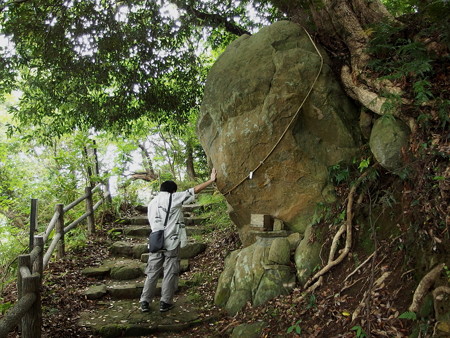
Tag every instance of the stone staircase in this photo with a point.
(117, 283)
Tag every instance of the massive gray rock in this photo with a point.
(252, 93)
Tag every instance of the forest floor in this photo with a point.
(325, 313)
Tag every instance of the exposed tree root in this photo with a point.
(424, 286)
(378, 284)
(345, 228)
(359, 266)
(437, 296)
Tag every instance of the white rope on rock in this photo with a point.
(250, 176)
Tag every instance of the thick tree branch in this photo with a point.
(212, 20)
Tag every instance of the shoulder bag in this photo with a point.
(156, 238)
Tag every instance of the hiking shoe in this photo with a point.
(145, 307)
(163, 307)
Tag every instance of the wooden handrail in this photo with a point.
(28, 308)
(50, 226)
(15, 313)
(97, 187)
(76, 222)
(74, 203)
(96, 205)
(50, 249)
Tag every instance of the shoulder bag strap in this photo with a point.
(168, 211)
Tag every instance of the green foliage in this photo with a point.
(359, 331)
(364, 164)
(338, 173)
(447, 272)
(4, 306)
(295, 328)
(106, 64)
(398, 58)
(76, 238)
(215, 207)
(443, 107)
(408, 315)
(311, 301)
(399, 7)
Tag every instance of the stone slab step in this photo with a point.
(136, 220)
(137, 231)
(186, 207)
(196, 230)
(124, 268)
(195, 220)
(189, 251)
(123, 318)
(128, 249)
(126, 290)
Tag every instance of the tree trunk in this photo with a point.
(341, 26)
(149, 173)
(190, 161)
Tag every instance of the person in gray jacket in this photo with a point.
(174, 232)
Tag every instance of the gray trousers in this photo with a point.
(155, 264)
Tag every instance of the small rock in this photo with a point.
(96, 291)
(121, 249)
(294, 240)
(248, 330)
(191, 250)
(280, 251)
(126, 272)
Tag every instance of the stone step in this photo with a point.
(196, 230)
(195, 220)
(125, 289)
(189, 251)
(123, 318)
(135, 220)
(144, 230)
(124, 269)
(139, 250)
(186, 208)
(128, 249)
(137, 231)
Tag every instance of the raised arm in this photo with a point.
(203, 185)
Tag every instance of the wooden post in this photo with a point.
(90, 210)
(59, 227)
(32, 320)
(23, 260)
(33, 222)
(38, 265)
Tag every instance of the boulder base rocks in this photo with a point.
(256, 273)
(252, 93)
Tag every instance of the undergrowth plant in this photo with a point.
(215, 209)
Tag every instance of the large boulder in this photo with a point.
(252, 93)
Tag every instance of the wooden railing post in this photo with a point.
(38, 265)
(33, 222)
(32, 320)
(90, 210)
(59, 227)
(23, 261)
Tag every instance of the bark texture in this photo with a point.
(342, 27)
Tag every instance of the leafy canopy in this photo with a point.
(105, 63)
